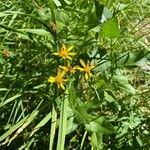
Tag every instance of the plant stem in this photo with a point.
(83, 139)
(53, 127)
(62, 124)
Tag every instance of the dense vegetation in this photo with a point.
(74, 74)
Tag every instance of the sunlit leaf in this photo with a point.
(96, 141)
(110, 28)
(122, 82)
(108, 97)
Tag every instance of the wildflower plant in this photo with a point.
(72, 76)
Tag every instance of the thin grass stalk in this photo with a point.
(83, 139)
(53, 127)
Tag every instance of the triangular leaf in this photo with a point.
(110, 28)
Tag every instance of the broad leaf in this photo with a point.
(96, 141)
(122, 82)
(110, 28)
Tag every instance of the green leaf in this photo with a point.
(81, 114)
(68, 2)
(3, 89)
(23, 123)
(96, 141)
(57, 3)
(71, 125)
(103, 67)
(10, 29)
(122, 82)
(100, 125)
(110, 28)
(107, 14)
(53, 127)
(108, 97)
(13, 128)
(63, 18)
(1, 59)
(36, 31)
(139, 140)
(92, 20)
(42, 123)
(95, 126)
(10, 100)
(62, 123)
(39, 86)
(108, 128)
(99, 9)
(72, 96)
(2, 14)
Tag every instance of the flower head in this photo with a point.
(70, 69)
(58, 79)
(65, 52)
(86, 68)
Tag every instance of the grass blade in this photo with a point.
(42, 123)
(53, 127)
(10, 100)
(62, 124)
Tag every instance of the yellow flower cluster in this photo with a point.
(66, 54)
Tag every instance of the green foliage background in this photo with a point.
(111, 111)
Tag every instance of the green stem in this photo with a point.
(51, 5)
(112, 59)
(52, 11)
(53, 127)
(62, 124)
(83, 139)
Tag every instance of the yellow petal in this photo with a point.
(55, 53)
(90, 74)
(82, 63)
(72, 71)
(58, 71)
(51, 79)
(62, 73)
(68, 63)
(68, 57)
(63, 46)
(79, 68)
(86, 76)
(93, 66)
(63, 67)
(58, 85)
(65, 80)
(62, 86)
(70, 48)
(72, 53)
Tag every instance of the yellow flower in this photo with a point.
(58, 79)
(86, 68)
(65, 52)
(70, 69)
